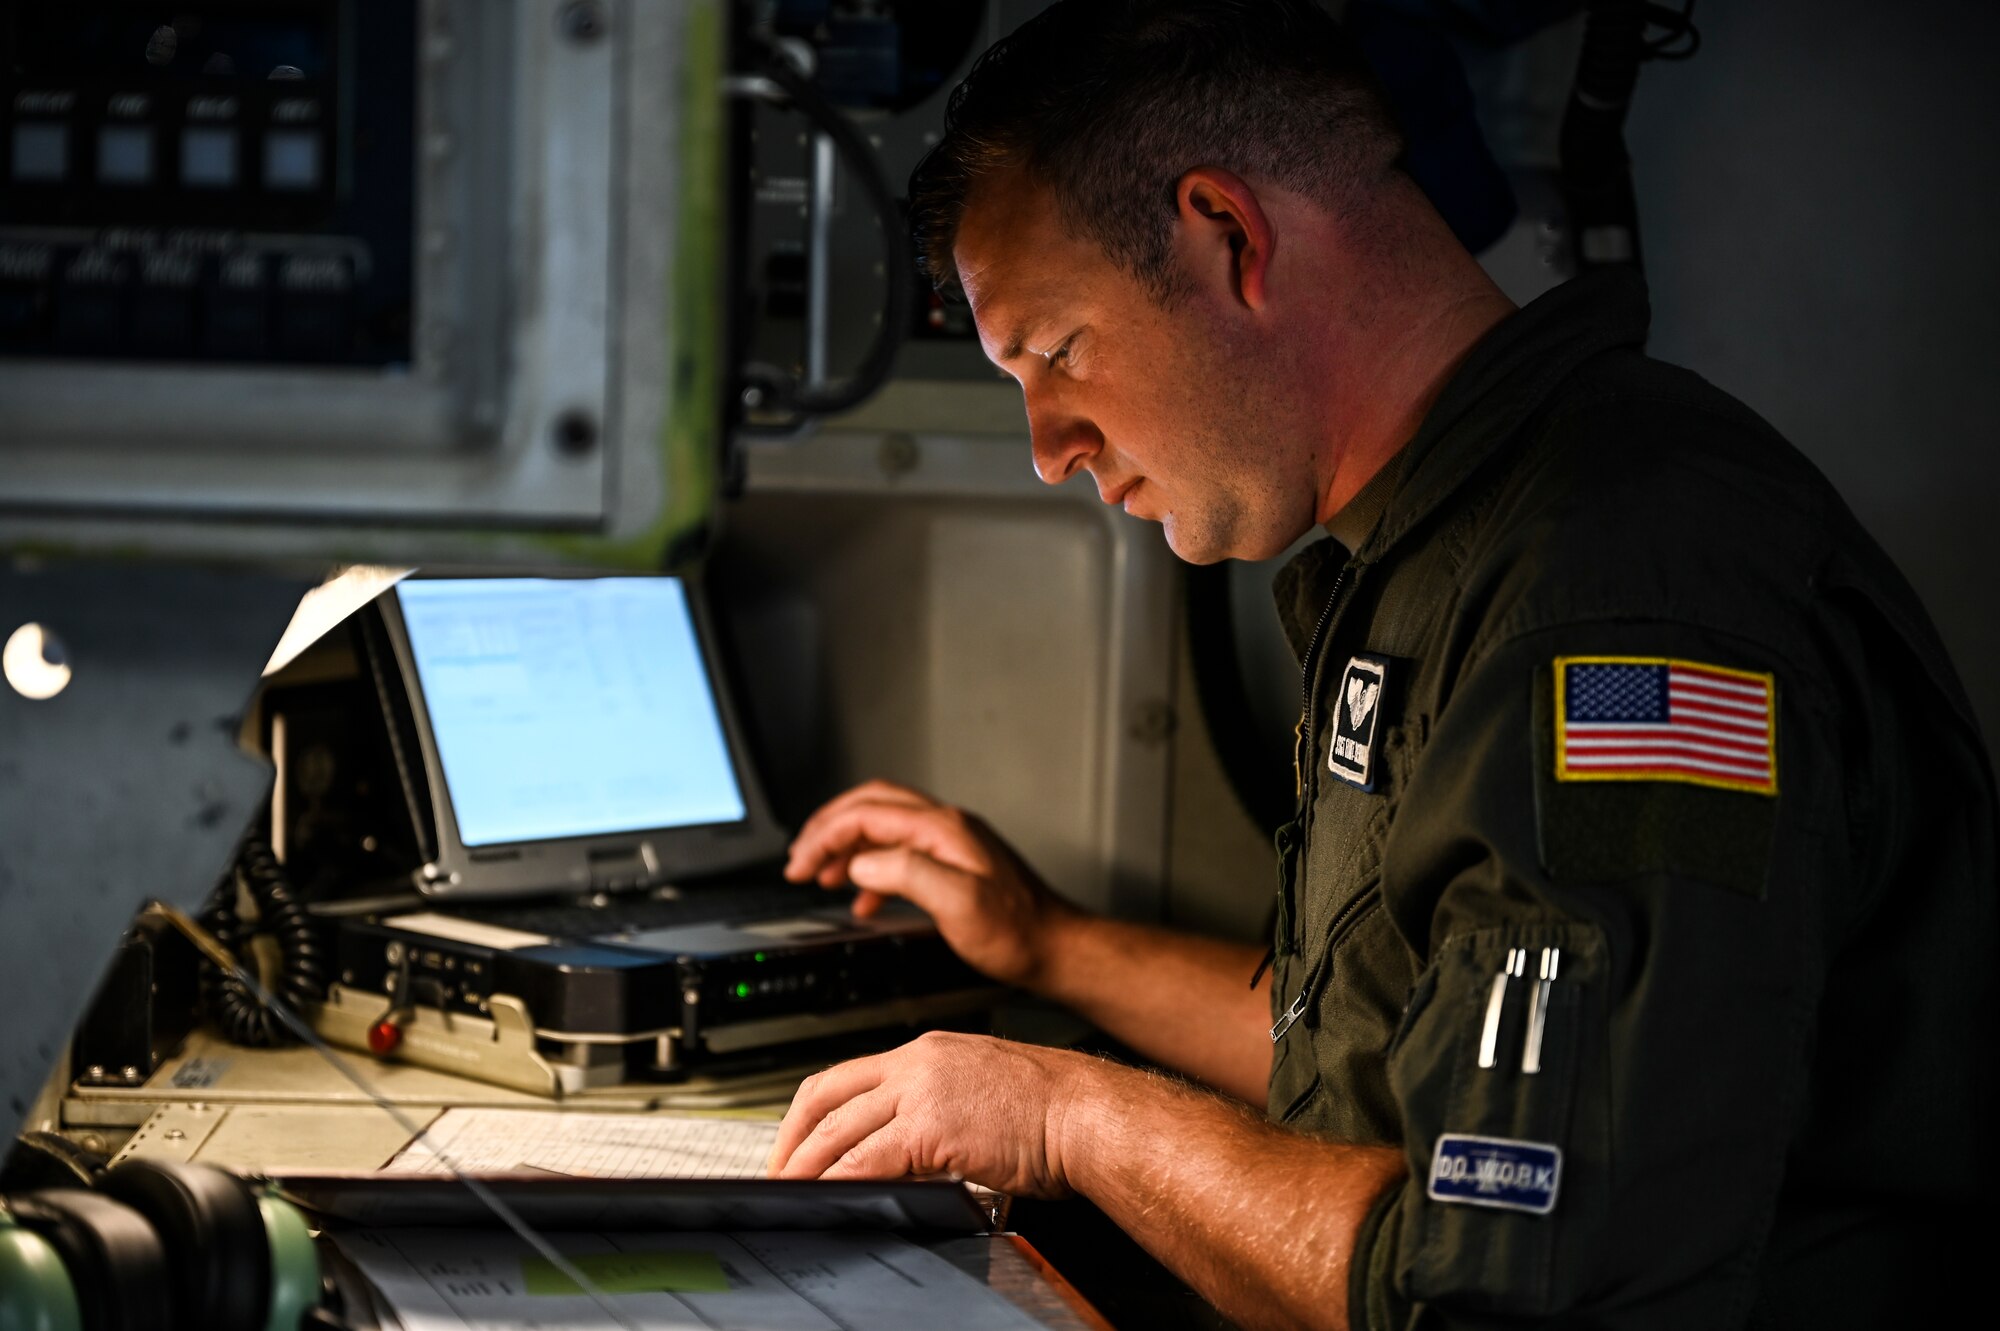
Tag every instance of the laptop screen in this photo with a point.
(569, 707)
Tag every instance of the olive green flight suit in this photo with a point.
(1764, 1059)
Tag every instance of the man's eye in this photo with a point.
(1060, 355)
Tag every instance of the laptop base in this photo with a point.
(558, 1014)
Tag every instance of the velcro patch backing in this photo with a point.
(1655, 718)
(1608, 831)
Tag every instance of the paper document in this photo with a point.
(326, 605)
(590, 1145)
(466, 1280)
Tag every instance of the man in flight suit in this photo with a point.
(1631, 966)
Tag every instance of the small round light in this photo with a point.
(35, 663)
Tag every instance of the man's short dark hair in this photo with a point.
(1109, 102)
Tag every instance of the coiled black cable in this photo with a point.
(303, 963)
(782, 393)
(1596, 169)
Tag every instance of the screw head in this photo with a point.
(575, 433)
(898, 454)
(582, 21)
(1152, 722)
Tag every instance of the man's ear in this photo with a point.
(1224, 232)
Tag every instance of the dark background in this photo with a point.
(1819, 190)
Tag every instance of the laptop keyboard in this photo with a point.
(620, 914)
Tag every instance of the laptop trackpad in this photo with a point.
(798, 926)
(829, 926)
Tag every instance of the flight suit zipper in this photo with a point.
(1343, 923)
(1301, 755)
(1302, 750)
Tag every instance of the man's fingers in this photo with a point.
(818, 1094)
(886, 792)
(838, 1131)
(940, 833)
(883, 1154)
(909, 874)
(832, 830)
(868, 792)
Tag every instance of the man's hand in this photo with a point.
(1261, 1220)
(971, 1106)
(1183, 1000)
(891, 841)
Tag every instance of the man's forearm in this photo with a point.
(1181, 1000)
(1262, 1222)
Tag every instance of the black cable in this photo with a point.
(783, 393)
(1618, 36)
(50, 1160)
(302, 965)
(1679, 39)
(399, 726)
(1596, 170)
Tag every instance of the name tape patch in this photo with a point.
(1357, 716)
(1642, 718)
(1499, 1172)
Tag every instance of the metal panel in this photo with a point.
(125, 785)
(564, 401)
(919, 607)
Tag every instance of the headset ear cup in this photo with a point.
(36, 1293)
(214, 1235)
(295, 1269)
(117, 1266)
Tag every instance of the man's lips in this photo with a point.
(1117, 496)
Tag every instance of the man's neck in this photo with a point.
(1394, 359)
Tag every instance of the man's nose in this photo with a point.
(1062, 442)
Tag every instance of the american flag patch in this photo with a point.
(1636, 718)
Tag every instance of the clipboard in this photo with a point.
(560, 1202)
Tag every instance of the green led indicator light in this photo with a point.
(743, 989)
(756, 956)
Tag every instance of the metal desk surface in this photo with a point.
(280, 1110)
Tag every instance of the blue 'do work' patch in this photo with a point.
(1496, 1171)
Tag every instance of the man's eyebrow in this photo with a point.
(1017, 342)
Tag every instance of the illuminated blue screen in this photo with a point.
(567, 707)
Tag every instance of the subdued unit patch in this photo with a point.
(1357, 714)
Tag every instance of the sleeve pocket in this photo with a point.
(1500, 1075)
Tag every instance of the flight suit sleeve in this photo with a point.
(1600, 1065)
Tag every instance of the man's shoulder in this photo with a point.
(1641, 491)
(1627, 419)
(1636, 455)
(1645, 493)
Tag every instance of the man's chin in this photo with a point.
(1203, 543)
(1192, 547)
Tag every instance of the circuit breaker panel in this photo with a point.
(376, 278)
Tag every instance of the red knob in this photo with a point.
(383, 1037)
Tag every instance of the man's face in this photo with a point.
(1179, 415)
